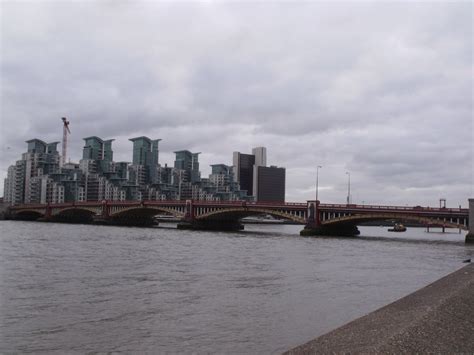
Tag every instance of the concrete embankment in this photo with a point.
(438, 318)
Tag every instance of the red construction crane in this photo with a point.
(65, 132)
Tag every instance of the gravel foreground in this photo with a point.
(438, 318)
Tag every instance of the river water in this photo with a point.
(83, 288)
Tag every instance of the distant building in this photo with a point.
(100, 152)
(14, 186)
(189, 163)
(145, 154)
(38, 176)
(262, 182)
(28, 180)
(222, 184)
(270, 184)
(97, 149)
(243, 165)
(260, 154)
(99, 178)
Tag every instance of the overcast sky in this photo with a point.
(382, 90)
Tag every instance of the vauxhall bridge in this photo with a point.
(318, 218)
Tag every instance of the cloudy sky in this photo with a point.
(382, 90)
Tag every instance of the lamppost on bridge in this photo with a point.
(348, 187)
(317, 180)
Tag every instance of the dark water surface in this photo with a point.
(67, 288)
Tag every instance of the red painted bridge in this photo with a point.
(319, 219)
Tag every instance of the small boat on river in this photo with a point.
(398, 227)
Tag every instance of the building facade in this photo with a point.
(262, 183)
(38, 176)
(243, 165)
(270, 184)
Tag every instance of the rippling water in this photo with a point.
(66, 288)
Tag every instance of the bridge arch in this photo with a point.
(140, 215)
(356, 219)
(238, 213)
(74, 215)
(145, 211)
(74, 209)
(28, 215)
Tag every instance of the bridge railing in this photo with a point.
(394, 208)
(246, 203)
(34, 205)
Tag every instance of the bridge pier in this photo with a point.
(315, 228)
(222, 224)
(470, 234)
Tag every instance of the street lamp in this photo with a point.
(317, 180)
(348, 187)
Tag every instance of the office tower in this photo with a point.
(27, 181)
(145, 154)
(108, 153)
(155, 151)
(260, 154)
(243, 165)
(97, 155)
(222, 185)
(97, 167)
(183, 160)
(270, 184)
(222, 178)
(94, 148)
(41, 159)
(14, 185)
(145, 151)
(195, 173)
(189, 163)
(262, 182)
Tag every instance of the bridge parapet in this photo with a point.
(312, 213)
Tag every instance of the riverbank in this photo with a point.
(438, 318)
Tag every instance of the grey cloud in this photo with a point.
(383, 90)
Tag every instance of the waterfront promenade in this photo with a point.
(438, 318)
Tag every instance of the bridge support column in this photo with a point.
(191, 222)
(188, 220)
(470, 234)
(103, 217)
(313, 221)
(47, 214)
(315, 228)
